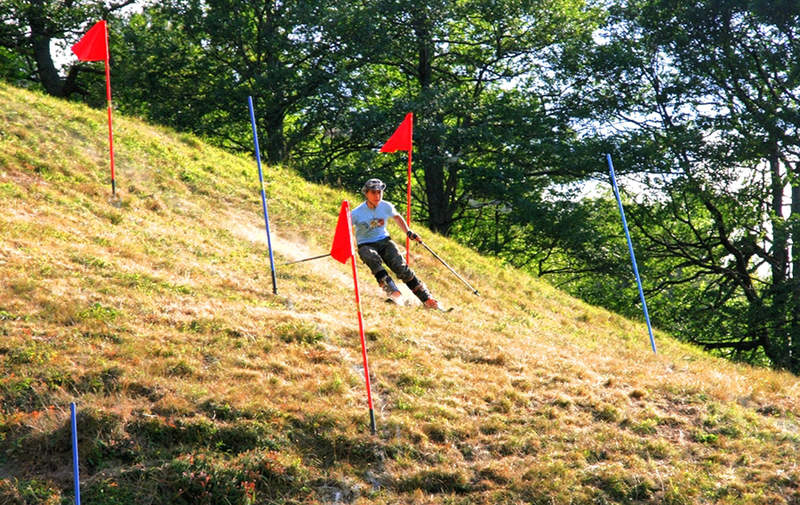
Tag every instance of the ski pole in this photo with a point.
(305, 259)
(448, 267)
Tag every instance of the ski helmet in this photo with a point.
(373, 184)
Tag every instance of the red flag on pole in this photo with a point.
(93, 46)
(342, 250)
(402, 140)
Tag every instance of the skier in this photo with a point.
(375, 247)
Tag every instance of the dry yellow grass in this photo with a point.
(156, 316)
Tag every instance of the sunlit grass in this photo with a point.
(156, 314)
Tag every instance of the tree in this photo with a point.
(203, 58)
(28, 27)
(330, 83)
(703, 102)
(477, 76)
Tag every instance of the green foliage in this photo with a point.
(287, 55)
(180, 369)
(479, 142)
(326, 83)
(26, 32)
(414, 383)
(14, 67)
(645, 427)
(320, 439)
(16, 492)
(715, 204)
(21, 393)
(704, 437)
(8, 316)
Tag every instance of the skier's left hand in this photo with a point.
(413, 236)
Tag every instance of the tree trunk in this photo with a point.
(40, 40)
(439, 215)
(274, 141)
(794, 280)
(422, 32)
(439, 212)
(779, 289)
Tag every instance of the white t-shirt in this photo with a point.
(371, 223)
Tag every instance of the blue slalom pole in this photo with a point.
(263, 196)
(630, 249)
(75, 454)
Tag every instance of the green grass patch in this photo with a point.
(10, 190)
(99, 312)
(24, 492)
(435, 481)
(299, 332)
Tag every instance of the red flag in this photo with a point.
(94, 45)
(401, 138)
(342, 248)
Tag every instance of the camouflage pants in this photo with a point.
(375, 254)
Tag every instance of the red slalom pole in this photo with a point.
(408, 208)
(110, 130)
(403, 140)
(341, 250)
(361, 332)
(93, 46)
(363, 349)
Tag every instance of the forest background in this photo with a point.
(516, 103)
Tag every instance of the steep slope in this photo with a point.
(195, 384)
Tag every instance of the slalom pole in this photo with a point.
(93, 46)
(110, 129)
(408, 209)
(346, 207)
(76, 477)
(304, 259)
(475, 291)
(630, 249)
(263, 196)
(363, 349)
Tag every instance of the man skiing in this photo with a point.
(375, 247)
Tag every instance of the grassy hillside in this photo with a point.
(196, 385)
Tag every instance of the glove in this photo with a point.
(412, 235)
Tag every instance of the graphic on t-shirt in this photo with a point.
(371, 223)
